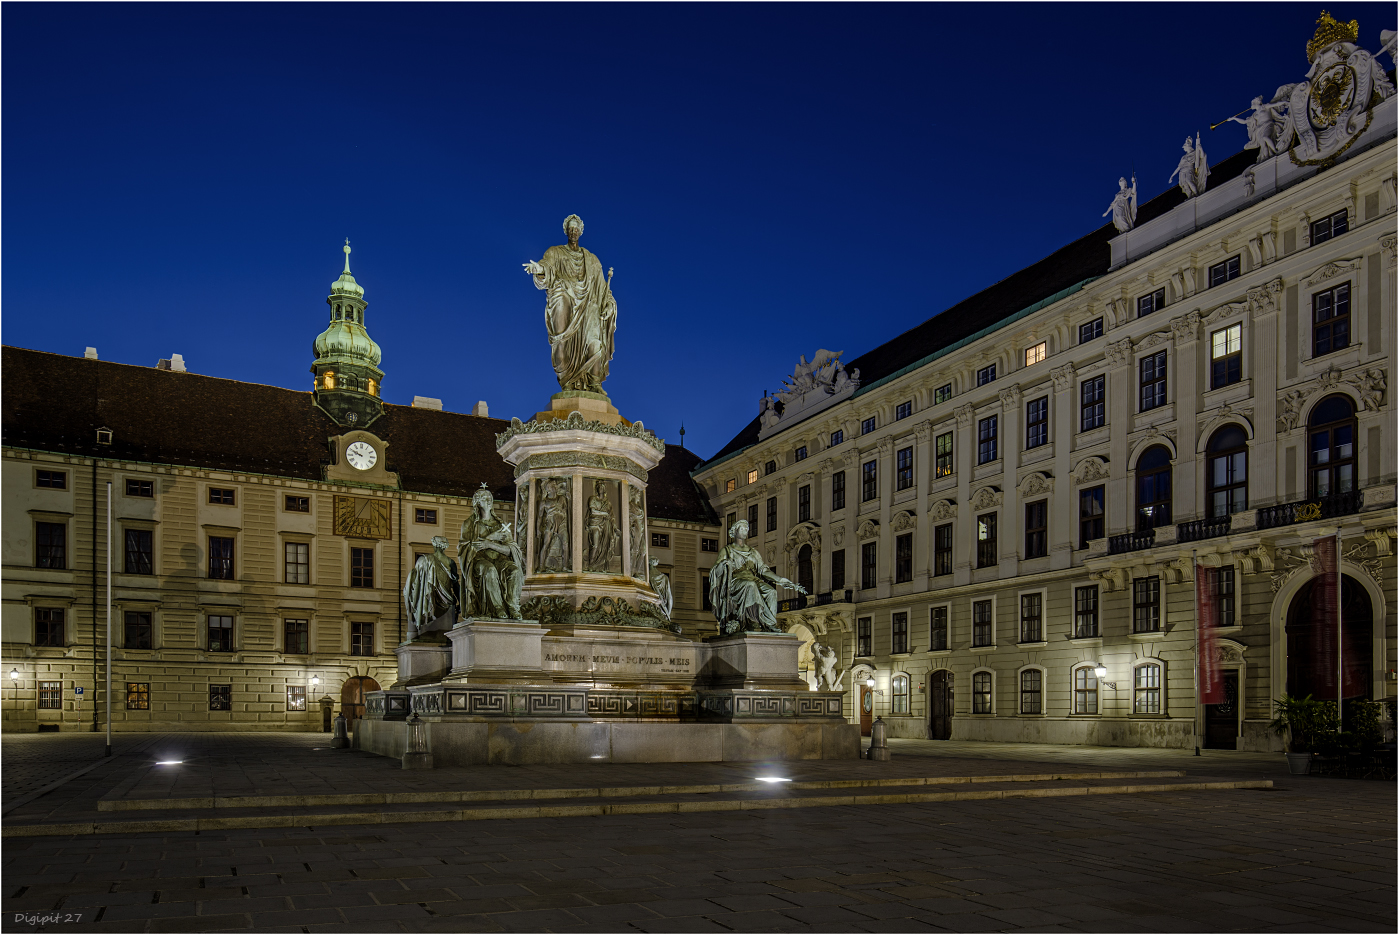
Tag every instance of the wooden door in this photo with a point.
(1222, 720)
(940, 705)
(352, 696)
(867, 709)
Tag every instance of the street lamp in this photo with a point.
(1100, 670)
(315, 680)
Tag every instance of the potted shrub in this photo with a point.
(1309, 723)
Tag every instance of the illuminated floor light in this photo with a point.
(772, 779)
(169, 762)
(598, 756)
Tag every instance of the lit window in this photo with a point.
(753, 476)
(1035, 355)
(1147, 689)
(51, 695)
(729, 485)
(296, 697)
(943, 455)
(328, 379)
(1225, 356)
(138, 696)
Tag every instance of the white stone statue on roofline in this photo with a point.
(1268, 126)
(1124, 206)
(580, 314)
(1191, 169)
(825, 374)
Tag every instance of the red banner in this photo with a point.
(1324, 605)
(1212, 680)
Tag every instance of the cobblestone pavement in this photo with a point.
(32, 761)
(1312, 854)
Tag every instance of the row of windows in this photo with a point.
(138, 696)
(1147, 691)
(137, 630)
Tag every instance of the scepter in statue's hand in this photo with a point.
(608, 284)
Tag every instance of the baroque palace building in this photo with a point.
(996, 512)
(260, 536)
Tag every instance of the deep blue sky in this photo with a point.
(766, 180)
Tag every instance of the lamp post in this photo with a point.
(14, 687)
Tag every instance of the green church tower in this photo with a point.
(347, 359)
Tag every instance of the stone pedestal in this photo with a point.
(594, 407)
(753, 660)
(495, 650)
(423, 660)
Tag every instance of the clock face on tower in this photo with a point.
(361, 455)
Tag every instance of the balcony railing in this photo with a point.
(1131, 541)
(803, 601)
(1203, 529)
(1286, 514)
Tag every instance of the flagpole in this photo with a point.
(1196, 648)
(109, 618)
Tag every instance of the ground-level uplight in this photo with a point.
(772, 779)
(169, 762)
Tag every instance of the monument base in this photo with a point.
(594, 407)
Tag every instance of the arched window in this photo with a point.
(1154, 488)
(1086, 691)
(337, 313)
(804, 568)
(329, 378)
(981, 693)
(1147, 689)
(899, 694)
(1031, 687)
(1227, 471)
(1332, 447)
(373, 387)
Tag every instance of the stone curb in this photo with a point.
(595, 810)
(602, 792)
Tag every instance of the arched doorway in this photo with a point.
(940, 705)
(352, 696)
(1312, 645)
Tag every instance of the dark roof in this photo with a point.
(1086, 258)
(54, 402)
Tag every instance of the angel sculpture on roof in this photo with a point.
(1270, 131)
(1191, 169)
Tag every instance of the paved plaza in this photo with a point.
(1304, 854)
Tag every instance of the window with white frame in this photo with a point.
(1225, 356)
(899, 632)
(1031, 691)
(938, 628)
(899, 694)
(1036, 354)
(1090, 330)
(982, 634)
(1032, 623)
(943, 394)
(1147, 689)
(1086, 691)
(981, 693)
(903, 410)
(987, 374)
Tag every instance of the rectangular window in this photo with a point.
(986, 540)
(1036, 514)
(986, 440)
(769, 467)
(660, 540)
(869, 481)
(903, 411)
(296, 636)
(1090, 515)
(753, 476)
(838, 570)
(943, 549)
(1152, 381)
(296, 697)
(709, 545)
(867, 426)
(1030, 691)
(140, 488)
(943, 394)
(1151, 303)
(362, 568)
(424, 516)
(1037, 422)
(298, 562)
(221, 557)
(138, 696)
(943, 455)
(48, 626)
(1147, 689)
(1091, 406)
(1032, 630)
(770, 514)
(804, 503)
(1147, 605)
(220, 634)
(221, 495)
(837, 437)
(138, 551)
(295, 504)
(899, 632)
(1090, 330)
(729, 485)
(904, 558)
(1224, 272)
(981, 693)
(1086, 691)
(867, 565)
(1332, 320)
(705, 603)
(938, 628)
(982, 623)
(904, 468)
(1224, 581)
(51, 695)
(362, 639)
(50, 545)
(137, 630)
(1036, 354)
(220, 697)
(1225, 356)
(752, 519)
(899, 694)
(800, 454)
(987, 374)
(838, 490)
(863, 637)
(1328, 227)
(56, 480)
(1086, 612)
